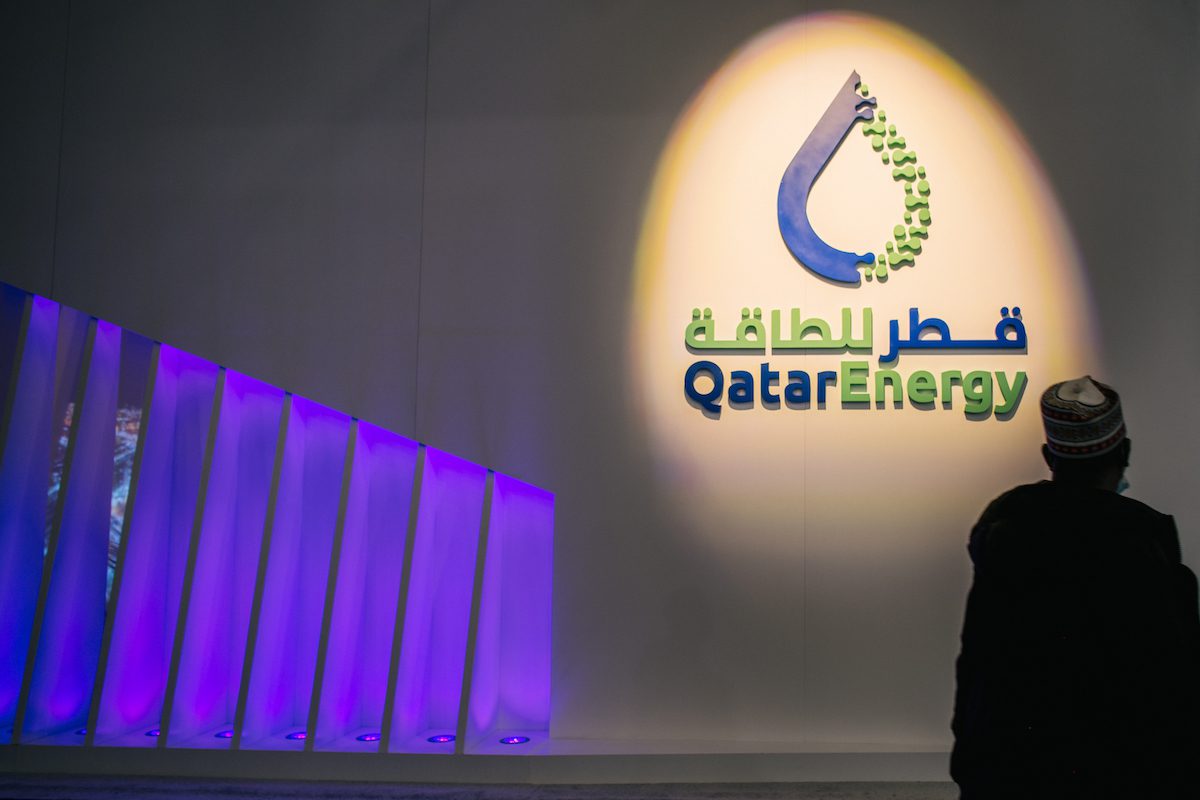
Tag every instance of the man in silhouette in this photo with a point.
(1081, 644)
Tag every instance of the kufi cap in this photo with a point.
(1082, 418)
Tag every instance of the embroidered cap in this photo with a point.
(1082, 418)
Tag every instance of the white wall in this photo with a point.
(426, 217)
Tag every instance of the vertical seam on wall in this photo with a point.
(110, 614)
(189, 570)
(79, 396)
(804, 592)
(414, 507)
(804, 574)
(481, 549)
(62, 125)
(264, 554)
(331, 582)
(421, 219)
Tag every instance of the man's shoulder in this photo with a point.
(1019, 500)
(1046, 497)
(1127, 505)
(1047, 513)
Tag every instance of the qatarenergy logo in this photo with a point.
(983, 393)
(851, 104)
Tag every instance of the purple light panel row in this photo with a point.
(192, 558)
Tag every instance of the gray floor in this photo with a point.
(108, 788)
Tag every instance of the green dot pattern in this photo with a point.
(907, 239)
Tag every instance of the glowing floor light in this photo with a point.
(441, 738)
(226, 734)
(297, 735)
(153, 732)
(514, 740)
(369, 737)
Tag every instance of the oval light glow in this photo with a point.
(757, 478)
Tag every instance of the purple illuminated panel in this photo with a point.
(368, 583)
(100, 512)
(214, 644)
(285, 654)
(68, 358)
(24, 468)
(136, 354)
(68, 362)
(69, 644)
(433, 650)
(510, 682)
(135, 677)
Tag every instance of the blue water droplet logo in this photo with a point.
(852, 103)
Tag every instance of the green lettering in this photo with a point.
(922, 387)
(885, 378)
(949, 377)
(854, 386)
(1011, 394)
(977, 390)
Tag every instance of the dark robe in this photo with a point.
(1080, 661)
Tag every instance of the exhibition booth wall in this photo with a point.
(193, 558)
(537, 234)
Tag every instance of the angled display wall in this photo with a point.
(195, 559)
